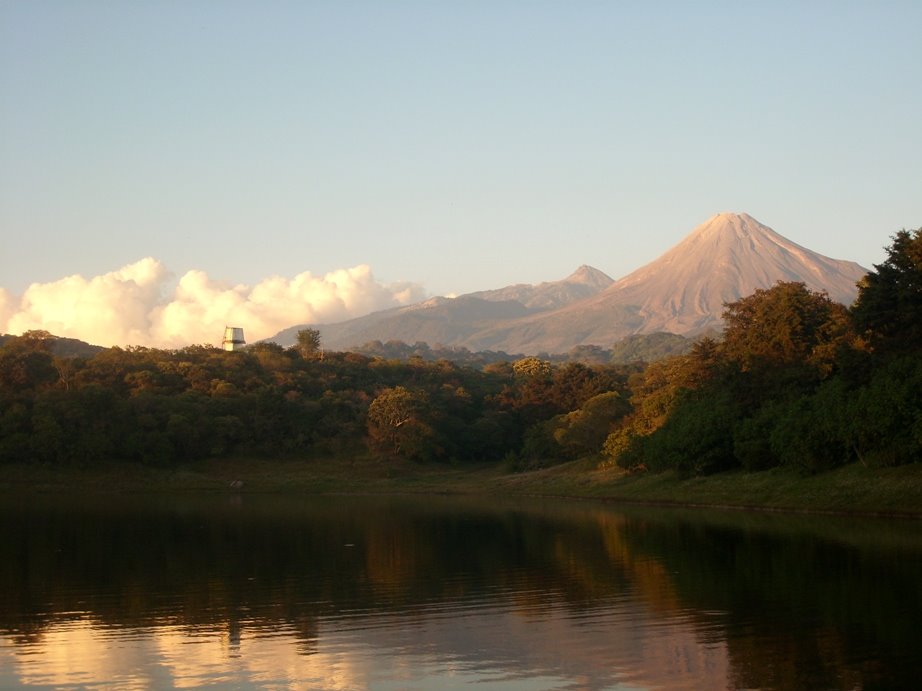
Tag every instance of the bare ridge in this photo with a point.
(727, 257)
(582, 283)
(684, 291)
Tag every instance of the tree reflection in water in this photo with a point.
(351, 592)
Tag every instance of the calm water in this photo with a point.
(354, 593)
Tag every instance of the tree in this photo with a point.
(584, 431)
(26, 362)
(787, 324)
(697, 438)
(655, 393)
(532, 368)
(888, 311)
(396, 426)
(649, 347)
(308, 343)
(883, 420)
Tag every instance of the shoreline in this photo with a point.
(852, 490)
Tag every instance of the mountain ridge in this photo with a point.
(683, 291)
(725, 258)
(582, 283)
(447, 321)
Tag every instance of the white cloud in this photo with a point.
(130, 307)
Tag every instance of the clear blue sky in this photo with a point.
(461, 145)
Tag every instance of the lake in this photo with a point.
(351, 592)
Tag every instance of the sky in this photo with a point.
(167, 167)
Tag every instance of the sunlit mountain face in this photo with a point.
(682, 292)
(726, 258)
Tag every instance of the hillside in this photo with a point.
(64, 347)
(450, 321)
(582, 283)
(682, 292)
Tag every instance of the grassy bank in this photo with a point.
(852, 489)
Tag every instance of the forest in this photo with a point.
(794, 380)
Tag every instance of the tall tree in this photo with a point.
(888, 311)
(583, 431)
(396, 424)
(26, 362)
(308, 343)
(787, 324)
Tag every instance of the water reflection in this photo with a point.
(350, 593)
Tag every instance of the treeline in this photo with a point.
(796, 380)
(399, 350)
(630, 350)
(164, 407)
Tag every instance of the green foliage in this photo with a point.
(308, 343)
(623, 448)
(885, 416)
(697, 439)
(26, 363)
(532, 368)
(649, 348)
(164, 407)
(803, 438)
(632, 350)
(784, 325)
(15, 428)
(789, 385)
(582, 432)
(398, 350)
(752, 437)
(888, 311)
(397, 425)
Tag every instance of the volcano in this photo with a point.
(684, 291)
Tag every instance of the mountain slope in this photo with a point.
(683, 291)
(726, 258)
(449, 321)
(436, 321)
(582, 283)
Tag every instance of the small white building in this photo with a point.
(233, 338)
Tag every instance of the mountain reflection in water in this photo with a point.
(394, 593)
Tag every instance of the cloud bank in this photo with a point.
(138, 305)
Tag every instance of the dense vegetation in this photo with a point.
(630, 350)
(169, 406)
(796, 380)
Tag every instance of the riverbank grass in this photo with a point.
(850, 489)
